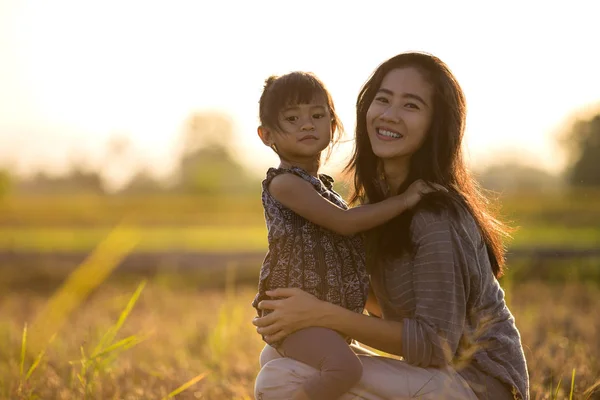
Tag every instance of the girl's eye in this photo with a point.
(291, 118)
(318, 116)
(382, 99)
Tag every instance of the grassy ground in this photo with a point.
(175, 334)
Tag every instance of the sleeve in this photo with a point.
(432, 336)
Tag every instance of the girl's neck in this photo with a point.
(395, 172)
(310, 166)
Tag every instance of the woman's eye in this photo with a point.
(412, 105)
(382, 100)
(291, 119)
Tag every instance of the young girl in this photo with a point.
(313, 241)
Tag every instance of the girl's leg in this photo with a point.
(329, 353)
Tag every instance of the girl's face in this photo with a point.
(305, 132)
(400, 115)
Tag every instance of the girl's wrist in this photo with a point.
(402, 201)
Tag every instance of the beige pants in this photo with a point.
(383, 379)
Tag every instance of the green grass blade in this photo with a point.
(557, 389)
(35, 364)
(110, 335)
(23, 350)
(89, 275)
(185, 386)
(572, 384)
(121, 345)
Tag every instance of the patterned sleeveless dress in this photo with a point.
(304, 255)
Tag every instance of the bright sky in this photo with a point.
(73, 74)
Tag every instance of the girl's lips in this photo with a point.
(308, 137)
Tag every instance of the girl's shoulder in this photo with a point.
(322, 182)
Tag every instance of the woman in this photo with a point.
(433, 271)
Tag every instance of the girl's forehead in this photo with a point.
(316, 101)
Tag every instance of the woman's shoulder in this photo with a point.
(442, 213)
(432, 210)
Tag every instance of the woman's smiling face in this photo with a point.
(400, 115)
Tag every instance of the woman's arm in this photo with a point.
(431, 337)
(299, 310)
(300, 196)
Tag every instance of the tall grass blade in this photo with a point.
(110, 335)
(90, 274)
(185, 386)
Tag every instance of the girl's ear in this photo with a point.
(265, 135)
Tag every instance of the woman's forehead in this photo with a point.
(406, 79)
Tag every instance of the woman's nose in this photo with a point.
(391, 114)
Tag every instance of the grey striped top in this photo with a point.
(451, 305)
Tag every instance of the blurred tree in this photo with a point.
(78, 180)
(142, 182)
(207, 129)
(582, 142)
(513, 176)
(5, 183)
(117, 148)
(119, 164)
(207, 164)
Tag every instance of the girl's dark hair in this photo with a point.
(439, 160)
(292, 89)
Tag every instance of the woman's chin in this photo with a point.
(388, 154)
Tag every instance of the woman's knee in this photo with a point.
(267, 354)
(281, 378)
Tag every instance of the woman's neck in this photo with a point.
(310, 166)
(395, 172)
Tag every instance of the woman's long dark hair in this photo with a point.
(439, 159)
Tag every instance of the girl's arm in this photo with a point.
(299, 196)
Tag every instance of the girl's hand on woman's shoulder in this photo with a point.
(293, 310)
(417, 190)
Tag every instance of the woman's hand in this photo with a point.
(295, 309)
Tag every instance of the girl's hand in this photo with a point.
(417, 189)
(295, 309)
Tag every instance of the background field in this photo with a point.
(200, 256)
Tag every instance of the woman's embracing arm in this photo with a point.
(297, 309)
(432, 335)
(430, 338)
